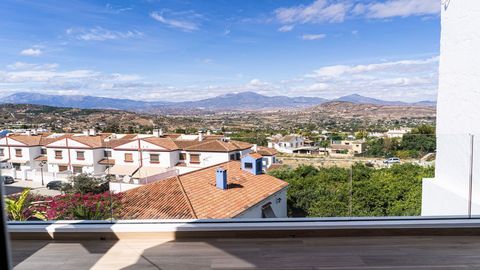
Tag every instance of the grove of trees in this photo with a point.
(356, 191)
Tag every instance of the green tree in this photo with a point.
(84, 183)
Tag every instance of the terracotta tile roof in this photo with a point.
(182, 144)
(265, 151)
(91, 141)
(241, 145)
(163, 199)
(107, 161)
(129, 137)
(255, 155)
(26, 139)
(172, 135)
(117, 142)
(41, 158)
(219, 146)
(340, 147)
(166, 143)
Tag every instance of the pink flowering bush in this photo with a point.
(75, 206)
(83, 206)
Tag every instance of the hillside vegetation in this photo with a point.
(357, 191)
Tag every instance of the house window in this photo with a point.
(232, 156)
(128, 157)
(62, 168)
(43, 151)
(248, 165)
(237, 156)
(77, 169)
(182, 156)
(80, 155)
(195, 158)
(58, 154)
(154, 158)
(18, 152)
(107, 154)
(2, 153)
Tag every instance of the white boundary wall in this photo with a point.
(458, 114)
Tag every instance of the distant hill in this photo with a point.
(359, 99)
(243, 101)
(252, 101)
(77, 101)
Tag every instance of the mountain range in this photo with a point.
(229, 102)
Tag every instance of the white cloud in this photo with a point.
(29, 66)
(31, 52)
(316, 87)
(395, 66)
(408, 80)
(286, 28)
(402, 8)
(337, 11)
(256, 83)
(319, 11)
(187, 22)
(102, 34)
(313, 36)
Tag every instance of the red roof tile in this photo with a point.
(163, 199)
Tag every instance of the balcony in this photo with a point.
(286, 244)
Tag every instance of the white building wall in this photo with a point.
(278, 202)
(458, 114)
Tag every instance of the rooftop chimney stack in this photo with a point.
(158, 132)
(28, 133)
(200, 136)
(85, 132)
(209, 132)
(221, 178)
(92, 132)
(254, 148)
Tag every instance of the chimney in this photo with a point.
(28, 133)
(158, 132)
(34, 132)
(200, 136)
(85, 132)
(221, 178)
(254, 148)
(209, 132)
(92, 132)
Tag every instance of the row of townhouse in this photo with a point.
(128, 157)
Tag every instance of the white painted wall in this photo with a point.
(458, 114)
(279, 207)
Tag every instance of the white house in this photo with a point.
(286, 144)
(268, 155)
(455, 190)
(76, 154)
(18, 153)
(398, 132)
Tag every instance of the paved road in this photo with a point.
(20, 185)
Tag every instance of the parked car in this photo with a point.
(55, 185)
(7, 179)
(392, 160)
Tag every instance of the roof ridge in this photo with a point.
(201, 143)
(186, 197)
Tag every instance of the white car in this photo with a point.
(392, 160)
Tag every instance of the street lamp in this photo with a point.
(41, 170)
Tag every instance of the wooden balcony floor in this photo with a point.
(402, 252)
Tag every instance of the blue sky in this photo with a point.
(186, 50)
